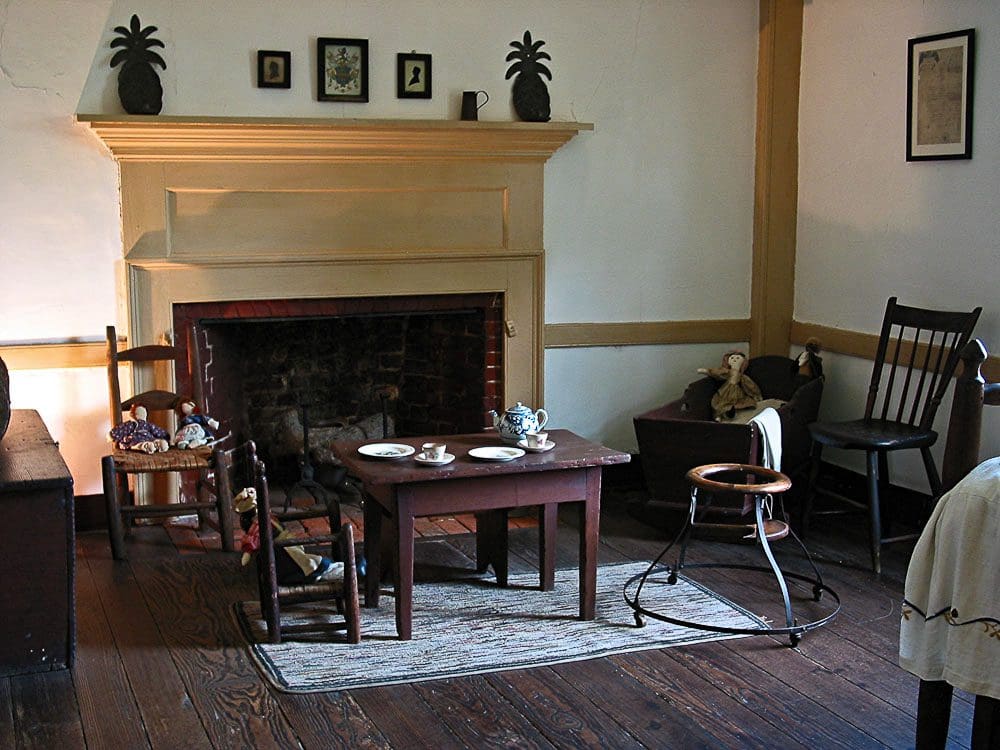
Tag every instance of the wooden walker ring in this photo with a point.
(776, 481)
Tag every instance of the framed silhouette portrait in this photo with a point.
(274, 69)
(413, 76)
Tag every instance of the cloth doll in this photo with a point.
(194, 429)
(136, 434)
(294, 566)
(810, 364)
(737, 390)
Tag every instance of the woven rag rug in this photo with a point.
(470, 626)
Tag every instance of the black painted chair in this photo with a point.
(918, 351)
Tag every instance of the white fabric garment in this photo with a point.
(951, 610)
(310, 563)
(768, 423)
(743, 416)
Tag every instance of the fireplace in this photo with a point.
(251, 212)
(439, 357)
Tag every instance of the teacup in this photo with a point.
(536, 439)
(434, 451)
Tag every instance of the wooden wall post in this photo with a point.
(772, 292)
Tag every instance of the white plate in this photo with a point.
(496, 454)
(421, 458)
(386, 450)
(549, 445)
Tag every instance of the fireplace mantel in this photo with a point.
(218, 209)
(173, 138)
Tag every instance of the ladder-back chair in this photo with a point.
(241, 468)
(122, 509)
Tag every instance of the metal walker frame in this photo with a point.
(762, 493)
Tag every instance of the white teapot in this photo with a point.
(518, 420)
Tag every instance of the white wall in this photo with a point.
(59, 229)
(647, 218)
(872, 225)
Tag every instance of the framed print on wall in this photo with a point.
(274, 69)
(939, 96)
(342, 73)
(413, 76)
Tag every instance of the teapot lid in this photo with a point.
(519, 408)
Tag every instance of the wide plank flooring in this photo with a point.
(160, 662)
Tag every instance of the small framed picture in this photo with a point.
(939, 96)
(413, 76)
(274, 69)
(342, 72)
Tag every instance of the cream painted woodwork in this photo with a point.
(772, 287)
(662, 332)
(226, 209)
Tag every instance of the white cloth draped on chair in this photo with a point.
(768, 421)
(951, 610)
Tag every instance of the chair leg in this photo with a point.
(223, 499)
(352, 605)
(333, 520)
(112, 504)
(885, 506)
(810, 495)
(874, 513)
(201, 493)
(269, 606)
(226, 530)
(933, 479)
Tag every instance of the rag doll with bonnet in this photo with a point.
(136, 434)
(194, 428)
(737, 391)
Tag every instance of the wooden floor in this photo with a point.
(164, 667)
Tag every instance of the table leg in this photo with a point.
(491, 543)
(548, 516)
(590, 521)
(403, 568)
(373, 551)
(933, 714)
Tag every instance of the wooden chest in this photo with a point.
(37, 550)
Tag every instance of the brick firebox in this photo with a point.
(440, 353)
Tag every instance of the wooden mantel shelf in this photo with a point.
(174, 138)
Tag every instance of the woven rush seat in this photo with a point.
(136, 462)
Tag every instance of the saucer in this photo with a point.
(549, 445)
(490, 453)
(422, 458)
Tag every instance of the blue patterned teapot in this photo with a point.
(518, 420)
